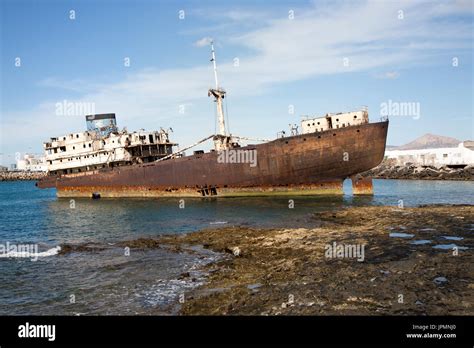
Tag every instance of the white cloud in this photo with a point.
(205, 41)
(390, 75)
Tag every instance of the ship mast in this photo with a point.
(221, 140)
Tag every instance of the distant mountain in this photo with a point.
(427, 141)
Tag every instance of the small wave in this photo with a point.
(218, 223)
(27, 254)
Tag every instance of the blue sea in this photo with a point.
(107, 279)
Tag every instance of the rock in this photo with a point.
(236, 251)
(388, 170)
(184, 275)
(440, 280)
(21, 175)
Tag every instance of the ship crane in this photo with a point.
(222, 141)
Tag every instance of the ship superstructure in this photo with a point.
(103, 145)
(334, 121)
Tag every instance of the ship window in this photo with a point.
(313, 123)
(318, 122)
(73, 147)
(355, 116)
(343, 124)
(309, 124)
(337, 120)
(445, 155)
(84, 146)
(64, 138)
(90, 144)
(334, 134)
(77, 135)
(358, 131)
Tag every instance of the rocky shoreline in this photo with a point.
(289, 271)
(387, 170)
(21, 176)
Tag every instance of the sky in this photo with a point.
(149, 63)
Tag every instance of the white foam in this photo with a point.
(218, 223)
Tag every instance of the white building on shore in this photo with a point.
(32, 163)
(462, 155)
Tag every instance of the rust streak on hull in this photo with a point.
(362, 186)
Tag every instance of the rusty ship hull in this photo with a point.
(304, 164)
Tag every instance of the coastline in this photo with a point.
(21, 176)
(387, 170)
(286, 271)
